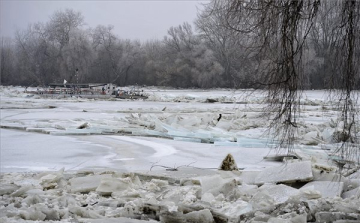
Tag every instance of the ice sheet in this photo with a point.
(190, 119)
(26, 151)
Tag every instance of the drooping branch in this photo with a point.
(347, 53)
(279, 30)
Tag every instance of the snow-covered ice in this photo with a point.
(326, 188)
(88, 160)
(287, 173)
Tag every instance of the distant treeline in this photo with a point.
(214, 54)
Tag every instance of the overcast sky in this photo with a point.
(131, 19)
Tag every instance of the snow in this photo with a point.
(161, 150)
(86, 160)
(23, 151)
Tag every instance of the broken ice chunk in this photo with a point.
(86, 184)
(352, 193)
(22, 190)
(203, 216)
(216, 185)
(33, 199)
(185, 139)
(225, 143)
(209, 182)
(109, 185)
(32, 214)
(248, 177)
(69, 132)
(148, 132)
(236, 209)
(8, 188)
(311, 138)
(289, 218)
(280, 193)
(13, 126)
(207, 197)
(335, 216)
(38, 130)
(287, 173)
(262, 201)
(328, 189)
(309, 193)
(50, 181)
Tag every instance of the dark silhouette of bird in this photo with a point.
(219, 117)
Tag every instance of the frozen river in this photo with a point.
(81, 160)
(25, 151)
(115, 130)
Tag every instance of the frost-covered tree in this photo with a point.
(61, 26)
(114, 57)
(77, 57)
(61, 30)
(104, 43)
(188, 60)
(226, 45)
(130, 55)
(154, 54)
(36, 55)
(53, 51)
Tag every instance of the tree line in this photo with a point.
(229, 45)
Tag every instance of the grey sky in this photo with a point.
(131, 19)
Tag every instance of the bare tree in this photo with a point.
(7, 61)
(321, 44)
